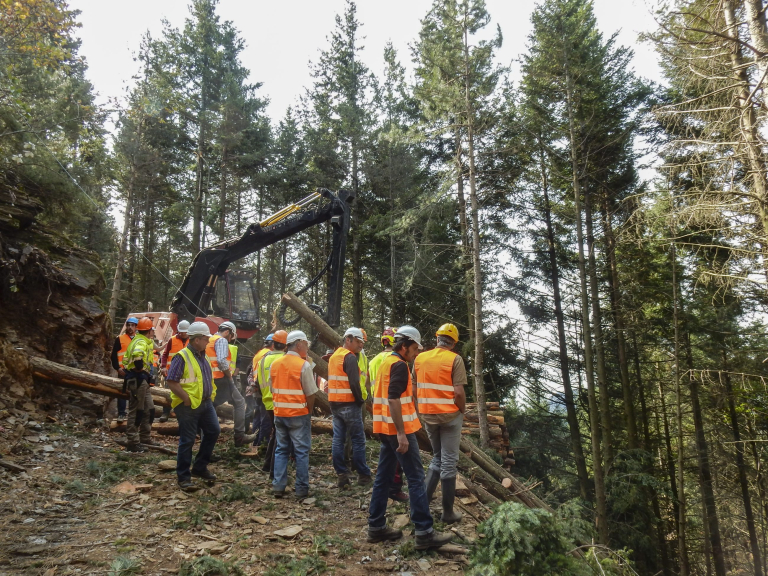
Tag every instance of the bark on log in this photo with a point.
(493, 432)
(326, 333)
(473, 417)
(69, 377)
(488, 405)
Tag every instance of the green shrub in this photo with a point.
(306, 566)
(123, 566)
(209, 566)
(236, 491)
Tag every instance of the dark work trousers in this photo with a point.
(204, 419)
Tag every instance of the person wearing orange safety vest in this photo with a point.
(346, 399)
(175, 344)
(220, 357)
(396, 423)
(440, 380)
(293, 396)
(118, 351)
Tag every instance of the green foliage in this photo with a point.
(323, 542)
(75, 486)
(236, 491)
(196, 515)
(209, 566)
(124, 566)
(113, 471)
(309, 565)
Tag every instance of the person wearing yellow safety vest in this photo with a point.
(441, 401)
(172, 347)
(263, 377)
(255, 411)
(137, 363)
(118, 351)
(293, 396)
(192, 393)
(387, 341)
(220, 357)
(396, 423)
(346, 400)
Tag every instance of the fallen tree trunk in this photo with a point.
(326, 333)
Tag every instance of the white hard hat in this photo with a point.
(198, 329)
(295, 336)
(411, 333)
(356, 332)
(228, 326)
(183, 326)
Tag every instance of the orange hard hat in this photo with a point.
(280, 336)
(145, 324)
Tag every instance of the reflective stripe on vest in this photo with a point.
(210, 352)
(287, 394)
(434, 370)
(382, 421)
(338, 381)
(125, 341)
(262, 377)
(177, 344)
(191, 381)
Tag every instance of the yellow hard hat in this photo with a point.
(448, 330)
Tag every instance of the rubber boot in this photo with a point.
(449, 495)
(434, 539)
(432, 479)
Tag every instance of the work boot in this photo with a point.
(342, 481)
(204, 474)
(133, 447)
(399, 496)
(431, 481)
(383, 535)
(187, 485)
(449, 496)
(363, 480)
(434, 539)
(215, 458)
(244, 439)
(163, 418)
(121, 417)
(278, 493)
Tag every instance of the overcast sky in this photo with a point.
(283, 36)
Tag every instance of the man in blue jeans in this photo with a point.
(396, 422)
(192, 392)
(293, 396)
(346, 400)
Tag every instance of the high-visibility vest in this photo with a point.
(362, 364)
(191, 381)
(287, 394)
(262, 377)
(257, 358)
(210, 352)
(233, 354)
(177, 344)
(375, 364)
(434, 382)
(125, 341)
(382, 421)
(338, 381)
(140, 348)
(155, 358)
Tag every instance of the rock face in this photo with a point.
(49, 303)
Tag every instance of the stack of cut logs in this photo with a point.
(497, 430)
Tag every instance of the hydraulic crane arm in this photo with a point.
(198, 287)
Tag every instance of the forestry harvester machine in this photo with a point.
(211, 292)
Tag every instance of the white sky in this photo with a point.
(283, 36)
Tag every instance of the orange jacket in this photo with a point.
(210, 352)
(125, 340)
(382, 421)
(338, 382)
(434, 381)
(287, 394)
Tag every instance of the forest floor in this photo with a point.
(66, 515)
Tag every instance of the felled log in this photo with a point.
(488, 406)
(493, 431)
(170, 428)
(473, 417)
(326, 333)
(69, 377)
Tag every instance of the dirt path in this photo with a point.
(63, 517)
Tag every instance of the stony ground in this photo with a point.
(66, 515)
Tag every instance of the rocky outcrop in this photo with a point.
(49, 304)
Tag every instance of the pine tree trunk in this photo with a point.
(597, 326)
(120, 264)
(477, 272)
(466, 250)
(594, 411)
(197, 203)
(392, 245)
(742, 466)
(357, 276)
(618, 321)
(223, 195)
(570, 406)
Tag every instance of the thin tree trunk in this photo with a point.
(392, 244)
(357, 277)
(197, 203)
(597, 326)
(618, 321)
(570, 406)
(477, 365)
(223, 195)
(120, 264)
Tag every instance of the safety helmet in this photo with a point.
(270, 337)
(132, 320)
(183, 326)
(295, 336)
(280, 336)
(228, 326)
(448, 330)
(198, 329)
(356, 332)
(388, 337)
(145, 324)
(410, 333)
(365, 334)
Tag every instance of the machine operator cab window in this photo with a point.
(236, 299)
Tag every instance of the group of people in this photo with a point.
(404, 387)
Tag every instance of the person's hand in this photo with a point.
(187, 400)
(402, 443)
(121, 372)
(164, 371)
